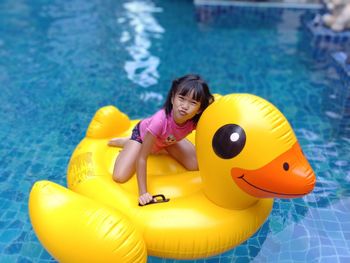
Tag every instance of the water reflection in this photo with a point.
(142, 27)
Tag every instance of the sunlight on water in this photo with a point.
(142, 29)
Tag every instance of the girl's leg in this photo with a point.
(124, 166)
(185, 153)
(118, 142)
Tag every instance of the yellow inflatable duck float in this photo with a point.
(247, 154)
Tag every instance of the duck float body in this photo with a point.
(247, 155)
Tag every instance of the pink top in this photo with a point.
(165, 129)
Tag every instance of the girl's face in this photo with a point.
(184, 107)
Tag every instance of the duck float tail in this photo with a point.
(108, 122)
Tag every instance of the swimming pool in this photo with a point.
(60, 61)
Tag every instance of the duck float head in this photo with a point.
(247, 154)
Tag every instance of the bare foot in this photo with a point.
(118, 142)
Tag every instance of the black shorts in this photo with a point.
(135, 135)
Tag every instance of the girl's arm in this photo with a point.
(141, 168)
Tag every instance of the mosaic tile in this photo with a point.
(343, 68)
(8, 258)
(325, 36)
(24, 260)
(31, 250)
(14, 248)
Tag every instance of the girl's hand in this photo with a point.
(145, 198)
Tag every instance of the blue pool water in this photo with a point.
(62, 60)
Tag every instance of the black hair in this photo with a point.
(185, 85)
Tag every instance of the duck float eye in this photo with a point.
(229, 141)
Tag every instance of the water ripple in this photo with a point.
(141, 28)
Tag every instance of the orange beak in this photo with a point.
(288, 176)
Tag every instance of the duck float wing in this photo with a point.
(74, 228)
